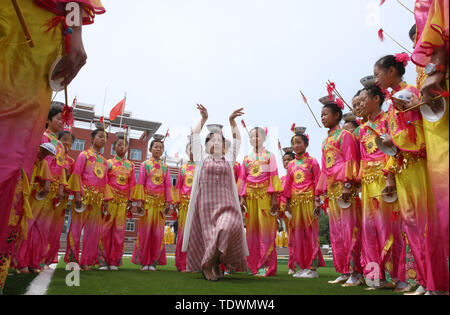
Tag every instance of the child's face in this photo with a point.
(120, 148)
(56, 124)
(256, 138)
(383, 77)
(298, 145)
(369, 104)
(286, 160)
(356, 103)
(329, 120)
(157, 150)
(349, 127)
(99, 140)
(66, 140)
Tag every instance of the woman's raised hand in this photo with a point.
(203, 111)
(236, 113)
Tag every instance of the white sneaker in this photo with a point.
(151, 268)
(103, 268)
(113, 268)
(340, 279)
(144, 268)
(299, 273)
(310, 274)
(420, 291)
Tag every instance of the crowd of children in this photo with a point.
(382, 180)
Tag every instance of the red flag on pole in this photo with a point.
(117, 110)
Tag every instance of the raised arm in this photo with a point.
(233, 153)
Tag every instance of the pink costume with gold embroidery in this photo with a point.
(122, 180)
(183, 192)
(259, 181)
(90, 178)
(300, 188)
(154, 189)
(340, 164)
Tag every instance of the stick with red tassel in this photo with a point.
(306, 102)
(381, 33)
(245, 126)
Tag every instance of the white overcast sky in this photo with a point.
(168, 55)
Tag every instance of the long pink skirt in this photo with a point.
(217, 221)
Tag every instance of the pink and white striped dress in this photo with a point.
(217, 222)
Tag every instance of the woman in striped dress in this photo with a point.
(214, 231)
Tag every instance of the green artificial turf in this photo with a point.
(17, 284)
(167, 281)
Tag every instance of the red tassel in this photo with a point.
(243, 123)
(381, 35)
(67, 43)
(325, 205)
(53, 23)
(67, 116)
(293, 127)
(330, 87)
(101, 119)
(382, 2)
(444, 94)
(395, 215)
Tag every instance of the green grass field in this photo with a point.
(167, 281)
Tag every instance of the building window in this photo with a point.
(130, 225)
(78, 145)
(135, 154)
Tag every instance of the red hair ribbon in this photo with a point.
(307, 136)
(265, 129)
(330, 87)
(403, 58)
(340, 103)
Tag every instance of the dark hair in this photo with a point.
(335, 109)
(54, 110)
(117, 140)
(353, 122)
(412, 32)
(155, 141)
(66, 132)
(358, 93)
(291, 154)
(375, 90)
(209, 136)
(304, 138)
(390, 61)
(94, 133)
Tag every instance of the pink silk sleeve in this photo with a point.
(242, 182)
(321, 186)
(75, 183)
(349, 172)
(275, 183)
(287, 189)
(168, 186)
(432, 20)
(316, 175)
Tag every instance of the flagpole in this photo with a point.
(121, 115)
